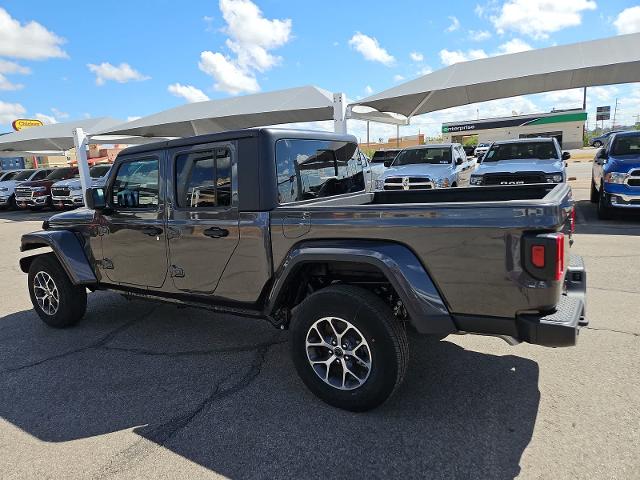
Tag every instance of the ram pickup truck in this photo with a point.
(428, 166)
(522, 161)
(68, 193)
(36, 194)
(615, 176)
(277, 224)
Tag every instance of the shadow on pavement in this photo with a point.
(221, 391)
(623, 223)
(25, 215)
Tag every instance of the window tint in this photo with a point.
(203, 179)
(62, 173)
(9, 176)
(23, 175)
(41, 175)
(98, 171)
(309, 169)
(627, 145)
(136, 184)
(382, 156)
(431, 156)
(522, 150)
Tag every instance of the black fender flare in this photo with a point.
(426, 307)
(67, 249)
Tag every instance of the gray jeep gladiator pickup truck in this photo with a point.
(277, 224)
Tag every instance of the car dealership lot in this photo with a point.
(143, 390)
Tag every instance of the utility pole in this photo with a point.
(615, 111)
(367, 133)
(584, 107)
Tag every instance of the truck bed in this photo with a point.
(468, 239)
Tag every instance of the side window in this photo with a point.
(40, 175)
(136, 184)
(203, 179)
(308, 169)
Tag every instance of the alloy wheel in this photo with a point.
(338, 353)
(46, 293)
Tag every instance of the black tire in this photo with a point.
(384, 334)
(597, 144)
(594, 197)
(604, 210)
(72, 299)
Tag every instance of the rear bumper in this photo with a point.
(557, 328)
(560, 328)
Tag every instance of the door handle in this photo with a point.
(216, 232)
(152, 231)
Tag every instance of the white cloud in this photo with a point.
(190, 93)
(628, 20)
(122, 73)
(10, 111)
(368, 90)
(131, 118)
(30, 41)
(513, 46)
(371, 49)
(8, 68)
(229, 77)
(398, 78)
(251, 37)
(416, 56)
(455, 24)
(479, 35)
(479, 11)
(449, 57)
(46, 119)
(425, 70)
(59, 114)
(538, 18)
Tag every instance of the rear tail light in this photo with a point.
(537, 256)
(559, 257)
(544, 256)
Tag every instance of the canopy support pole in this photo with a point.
(340, 113)
(424, 100)
(81, 142)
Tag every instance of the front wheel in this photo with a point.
(604, 210)
(348, 348)
(594, 192)
(55, 299)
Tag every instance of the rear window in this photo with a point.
(523, 150)
(627, 145)
(308, 169)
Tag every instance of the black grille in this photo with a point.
(61, 192)
(634, 178)
(514, 178)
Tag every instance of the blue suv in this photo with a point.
(615, 178)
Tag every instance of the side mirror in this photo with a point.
(459, 161)
(95, 198)
(387, 163)
(602, 154)
(566, 155)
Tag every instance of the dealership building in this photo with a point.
(565, 125)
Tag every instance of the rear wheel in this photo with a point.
(55, 299)
(597, 144)
(604, 210)
(348, 348)
(594, 192)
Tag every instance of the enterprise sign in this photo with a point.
(515, 122)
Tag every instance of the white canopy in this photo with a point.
(292, 105)
(57, 136)
(599, 62)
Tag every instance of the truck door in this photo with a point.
(134, 246)
(203, 219)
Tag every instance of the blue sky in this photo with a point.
(71, 59)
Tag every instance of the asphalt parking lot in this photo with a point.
(140, 390)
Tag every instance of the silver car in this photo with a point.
(68, 193)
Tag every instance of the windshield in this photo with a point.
(382, 156)
(9, 175)
(99, 171)
(627, 145)
(521, 150)
(61, 173)
(483, 145)
(430, 156)
(24, 175)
